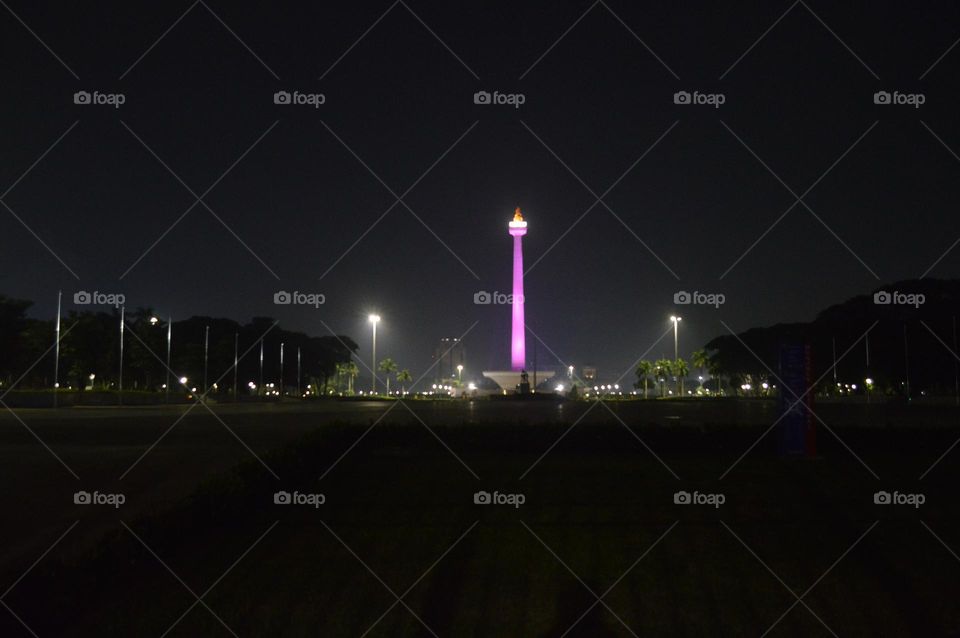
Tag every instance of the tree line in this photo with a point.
(90, 351)
(901, 336)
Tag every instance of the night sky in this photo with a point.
(399, 108)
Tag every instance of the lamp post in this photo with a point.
(459, 374)
(374, 319)
(169, 339)
(676, 324)
(956, 371)
(56, 362)
(906, 359)
(236, 344)
(120, 380)
(206, 353)
(869, 381)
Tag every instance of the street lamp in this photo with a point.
(676, 324)
(166, 397)
(374, 319)
(459, 373)
(120, 386)
(206, 353)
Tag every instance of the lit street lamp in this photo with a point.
(459, 373)
(374, 319)
(676, 324)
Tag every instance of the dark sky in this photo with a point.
(800, 99)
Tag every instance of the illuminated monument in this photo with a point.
(518, 351)
(516, 379)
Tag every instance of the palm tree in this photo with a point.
(681, 370)
(351, 370)
(342, 375)
(403, 377)
(387, 366)
(644, 368)
(663, 368)
(700, 361)
(715, 372)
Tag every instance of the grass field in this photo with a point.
(400, 521)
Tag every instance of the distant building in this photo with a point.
(589, 373)
(449, 354)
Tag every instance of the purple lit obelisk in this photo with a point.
(518, 350)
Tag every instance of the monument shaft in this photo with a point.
(518, 350)
(515, 380)
(518, 353)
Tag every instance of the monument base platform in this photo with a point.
(509, 380)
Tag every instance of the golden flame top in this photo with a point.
(517, 217)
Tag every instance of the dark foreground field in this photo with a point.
(399, 548)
